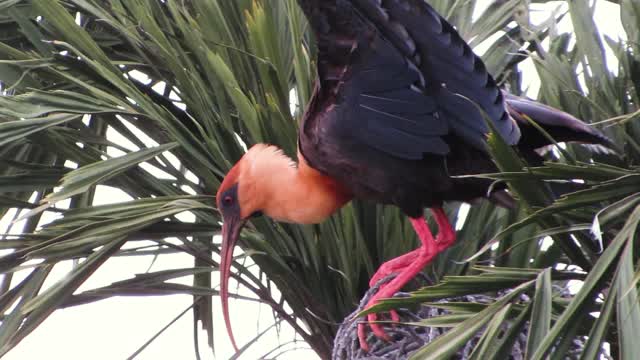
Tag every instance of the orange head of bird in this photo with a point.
(255, 185)
(243, 194)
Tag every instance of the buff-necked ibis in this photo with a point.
(392, 120)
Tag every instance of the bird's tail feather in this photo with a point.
(561, 126)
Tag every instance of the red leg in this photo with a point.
(412, 263)
(445, 237)
(446, 233)
(393, 265)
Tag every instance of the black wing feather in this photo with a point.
(459, 76)
(406, 79)
(393, 114)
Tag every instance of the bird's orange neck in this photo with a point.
(289, 193)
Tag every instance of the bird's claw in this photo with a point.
(376, 328)
(362, 337)
(394, 317)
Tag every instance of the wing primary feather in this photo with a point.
(390, 72)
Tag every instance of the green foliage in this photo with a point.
(187, 84)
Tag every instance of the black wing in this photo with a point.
(397, 77)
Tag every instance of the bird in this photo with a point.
(400, 109)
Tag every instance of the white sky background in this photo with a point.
(117, 327)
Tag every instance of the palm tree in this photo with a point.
(186, 85)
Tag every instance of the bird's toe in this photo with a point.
(377, 328)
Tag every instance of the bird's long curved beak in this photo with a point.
(230, 233)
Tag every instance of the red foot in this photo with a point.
(409, 266)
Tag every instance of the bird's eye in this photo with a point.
(227, 200)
